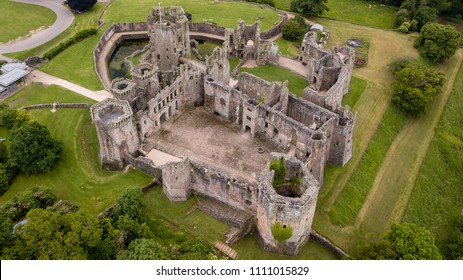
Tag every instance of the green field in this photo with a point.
(222, 13)
(353, 196)
(82, 73)
(362, 12)
(272, 73)
(81, 22)
(14, 23)
(436, 200)
(78, 176)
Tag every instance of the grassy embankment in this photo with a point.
(77, 177)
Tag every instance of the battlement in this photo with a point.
(112, 112)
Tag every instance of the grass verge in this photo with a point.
(78, 176)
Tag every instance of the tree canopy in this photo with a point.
(404, 242)
(309, 7)
(32, 148)
(53, 235)
(294, 29)
(81, 5)
(146, 249)
(437, 42)
(415, 87)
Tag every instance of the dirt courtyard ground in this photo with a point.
(200, 135)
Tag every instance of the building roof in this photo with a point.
(317, 26)
(2, 89)
(10, 66)
(12, 77)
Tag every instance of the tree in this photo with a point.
(404, 242)
(13, 118)
(415, 87)
(53, 235)
(309, 7)
(196, 249)
(129, 203)
(81, 5)
(146, 249)
(437, 42)
(294, 29)
(23, 202)
(6, 229)
(4, 179)
(32, 148)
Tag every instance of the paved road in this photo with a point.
(64, 18)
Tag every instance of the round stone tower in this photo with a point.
(286, 204)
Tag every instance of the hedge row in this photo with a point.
(79, 36)
(266, 2)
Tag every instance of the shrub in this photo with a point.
(79, 36)
(281, 233)
(23, 202)
(294, 30)
(265, 2)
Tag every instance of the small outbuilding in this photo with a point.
(12, 74)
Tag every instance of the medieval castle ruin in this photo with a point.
(299, 135)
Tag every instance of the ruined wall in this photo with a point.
(176, 180)
(58, 105)
(192, 86)
(207, 28)
(216, 184)
(341, 143)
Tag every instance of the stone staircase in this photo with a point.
(225, 249)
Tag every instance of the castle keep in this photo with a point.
(308, 132)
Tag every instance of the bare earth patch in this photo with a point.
(202, 136)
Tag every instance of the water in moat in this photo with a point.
(116, 63)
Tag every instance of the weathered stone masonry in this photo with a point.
(314, 129)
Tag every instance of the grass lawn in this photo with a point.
(288, 48)
(78, 176)
(233, 63)
(353, 196)
(272, 73)
(82, 73)
(81, 22)
(14, 24)
(362, 12)
(179, 217)
(356, 88)
(223, 13)
(436, 200)
(249, 249)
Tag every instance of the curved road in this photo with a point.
(64, 18)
